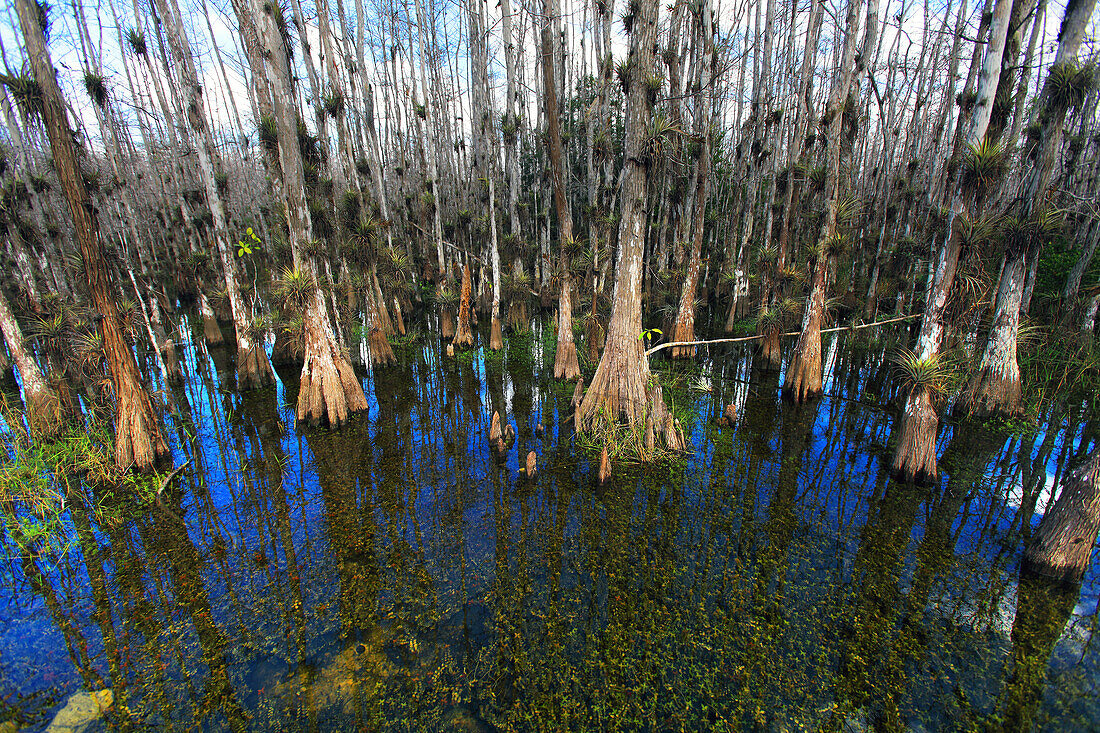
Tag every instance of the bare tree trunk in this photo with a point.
(622, 388)
(253, 368)
(43, 405)
(1073, 280)
(139, 441)
(685, 319)
(463, 335)
(994, 389)
(566, 365)
(427, 138)
(915, 455)
(328, 388)
(803, 378)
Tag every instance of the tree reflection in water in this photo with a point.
(393, 572)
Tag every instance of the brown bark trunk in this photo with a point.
(211, 331)
(914, 459)
(622, 388)
(45, 415)
(685, 318)
(381, 352)
(803, 378)
(446, 323)
(771, 350)
(566, 365)
(565, 358)
(328, 389)
(464, 336)
(915, 455)
(138, 438)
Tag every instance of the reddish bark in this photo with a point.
(464, 336)
(139, 441)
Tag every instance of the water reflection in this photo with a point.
(399, 574)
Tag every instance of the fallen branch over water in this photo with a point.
(164, 485)
(739, 339)
(168, 479)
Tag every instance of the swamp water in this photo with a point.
(396, 575)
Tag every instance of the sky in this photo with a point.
(906, 17)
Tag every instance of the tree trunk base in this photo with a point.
(803, 379)
(464, 336)
(253, 368)
(623, 394)
(595, 339)
(285, 352)
(328, 390)
(381, 353)
(566, 365)
(992, 392)
(446, 323)
(496, 338)
(771, 352)
(915, 456)
(398, 318)
(518, 319)
(171, 362)
(739, 310)
(45, 414)
(138, 439)
(211, 331)
(684, 331)
(1062, 545)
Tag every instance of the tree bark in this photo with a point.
(622, 388)
(685, 318)
(328, 388)
(43, 405)
(463, 335)
(803, 378)
(566, 365)
(139, 441)
(914, 457)
(995, 388)
(1063, 543)
(253, 367)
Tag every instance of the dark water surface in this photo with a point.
(394, 575)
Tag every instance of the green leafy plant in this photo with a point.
(933, 374)
(248, 244)
(985, 163)
(293, 288)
